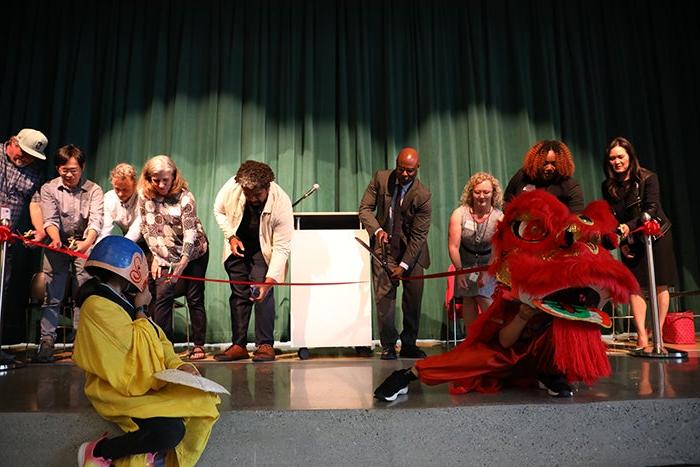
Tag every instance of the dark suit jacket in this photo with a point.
(416, 211)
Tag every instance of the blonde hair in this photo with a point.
(467, 198)
(123, 170)
(158, 164)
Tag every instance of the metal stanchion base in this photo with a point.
(8, 362)
(666, 352)
(5, 366)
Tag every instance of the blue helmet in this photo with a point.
(121, 256)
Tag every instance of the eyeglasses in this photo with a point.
(66, 171)
(21, 157)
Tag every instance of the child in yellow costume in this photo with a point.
(120, 349)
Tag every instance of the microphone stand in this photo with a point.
(305, 195)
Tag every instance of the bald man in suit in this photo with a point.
(396, 211)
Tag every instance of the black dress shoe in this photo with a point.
(411, 351)
(363, 351)
(388, 353)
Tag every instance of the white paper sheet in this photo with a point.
(188, 379)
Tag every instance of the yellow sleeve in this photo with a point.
(114, 348)
(172, 360)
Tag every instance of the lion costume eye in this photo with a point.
(530, 230)
(585, 219)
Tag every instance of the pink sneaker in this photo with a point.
(86, 457)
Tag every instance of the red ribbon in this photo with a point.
(436, 275)
(7, 236)
(650, 227)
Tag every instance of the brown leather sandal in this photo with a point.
(197, 353)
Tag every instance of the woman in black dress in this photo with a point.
(631, 191)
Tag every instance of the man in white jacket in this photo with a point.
(255, 215)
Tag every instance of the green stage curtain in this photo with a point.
(329, 91)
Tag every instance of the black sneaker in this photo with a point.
(388, 353)
(45, 353)
(411, 351)
(395, 385)
(555, 385)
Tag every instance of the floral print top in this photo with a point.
(171, 227)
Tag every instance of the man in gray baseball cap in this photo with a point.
(32, 142)
(20, 179)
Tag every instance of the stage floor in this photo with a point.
(337, 379)
(321, 411)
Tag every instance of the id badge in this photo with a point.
(5, 214)
(474, 277)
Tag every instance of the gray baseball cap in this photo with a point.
(32, 142)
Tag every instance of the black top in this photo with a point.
(635, 198)
(566, 189)
(249, 229)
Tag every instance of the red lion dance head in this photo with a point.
(559, 263)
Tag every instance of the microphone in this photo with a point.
(310, 192)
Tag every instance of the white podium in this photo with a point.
(324, 249)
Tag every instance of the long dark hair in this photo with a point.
(613, 181)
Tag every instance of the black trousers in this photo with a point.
(155, 434)
(165, 292)
(385, 298)
(251, 269)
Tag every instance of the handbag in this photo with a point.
(679, 328)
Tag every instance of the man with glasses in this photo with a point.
(20, 179)
(396, 211)
(73, 209)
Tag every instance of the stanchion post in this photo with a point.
(3, 256)
(658, 350)
(653, 296)
(9, 362)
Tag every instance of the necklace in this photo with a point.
(480, 226)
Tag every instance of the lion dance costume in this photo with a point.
(553, 261)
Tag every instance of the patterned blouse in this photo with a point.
(171, 227)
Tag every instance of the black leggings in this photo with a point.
(154, 435)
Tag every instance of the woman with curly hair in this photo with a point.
(472, 225)
(548, 165)
(167, 216)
